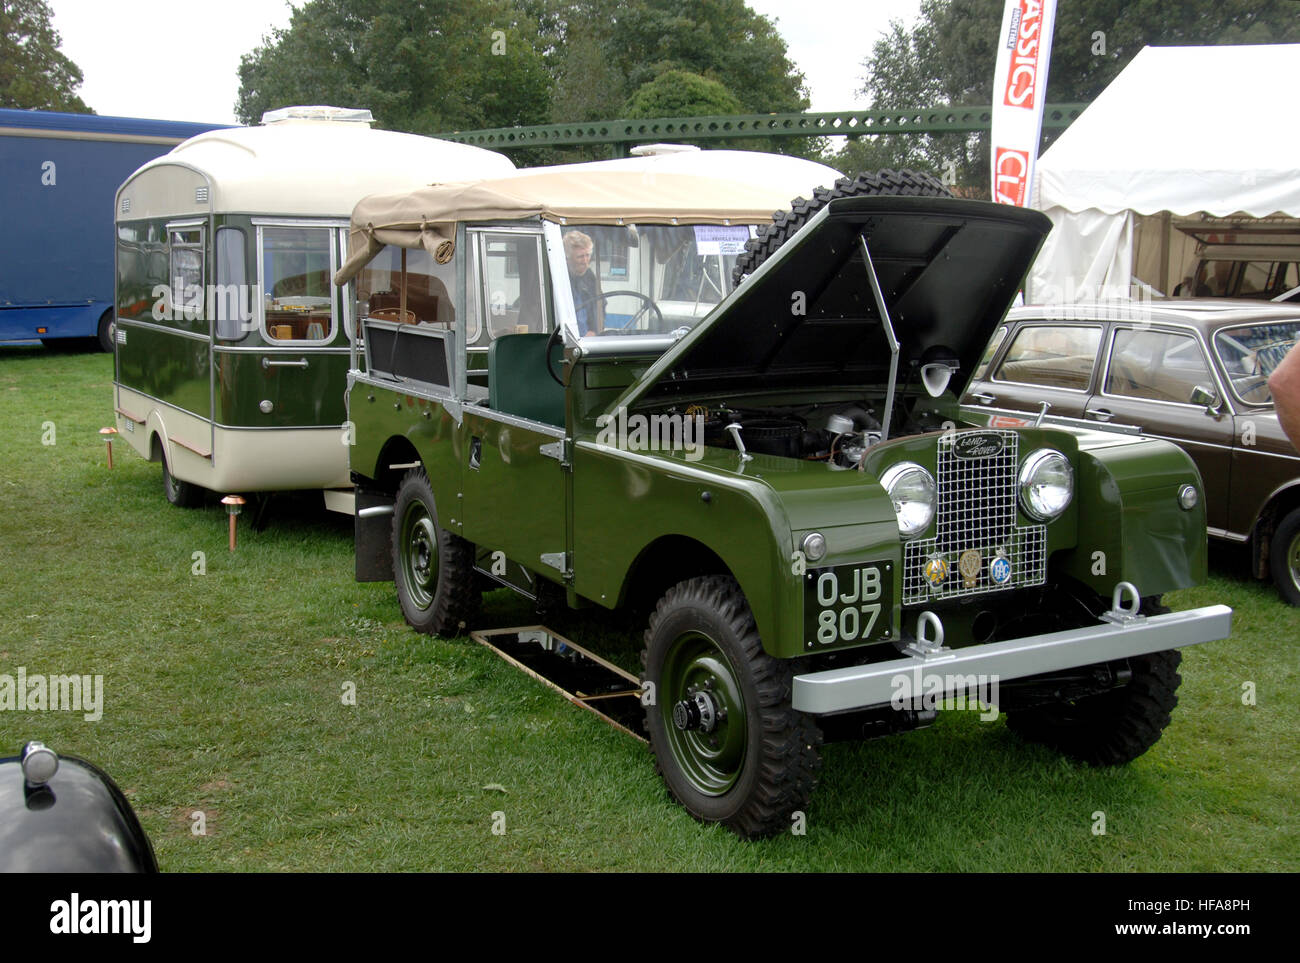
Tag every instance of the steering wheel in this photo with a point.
(632, 323)
(551, 342)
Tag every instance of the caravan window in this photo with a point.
(233, 300)
(296, 295)
(185, 280)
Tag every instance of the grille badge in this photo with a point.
(969, 564)
(1000, 570)
(978, 445)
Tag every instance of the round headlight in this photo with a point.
(911, 489)
(1046, 484)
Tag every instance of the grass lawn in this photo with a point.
(223, 696)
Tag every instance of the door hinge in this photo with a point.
(559, 450)
(559, 562)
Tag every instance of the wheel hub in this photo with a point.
(697, 711)
(709, 732)
(420, 556)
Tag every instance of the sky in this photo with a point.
(194, 46)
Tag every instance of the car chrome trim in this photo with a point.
(865, 686)
(713, 476)
(1225, 534)
(541, 427)
(1064, 421)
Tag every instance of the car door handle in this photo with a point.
(268, 363)
(1101, 414)
(982, 398)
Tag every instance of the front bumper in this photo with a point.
(867, 686)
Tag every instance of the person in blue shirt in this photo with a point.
(585, 282)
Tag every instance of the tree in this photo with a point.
(949, 55)
(34, 73)
(604, 51)
(437, 65)
(720, 39)
(680, 93)
(424, 66)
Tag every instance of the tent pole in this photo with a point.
(1165, 227)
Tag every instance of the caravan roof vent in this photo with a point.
(350, 115)
(650, 150)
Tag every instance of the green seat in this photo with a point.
(518, 382)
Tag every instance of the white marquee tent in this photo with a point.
(1181, 130)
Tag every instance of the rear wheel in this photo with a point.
(727, 742)
(1284, 557)
(433, 569)
(104, 332)
(1112, 727)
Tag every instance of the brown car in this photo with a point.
(1193, 372)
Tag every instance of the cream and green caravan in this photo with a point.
(231, 343)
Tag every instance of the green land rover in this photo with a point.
(774, 469)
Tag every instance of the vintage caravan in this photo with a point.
(231, 343)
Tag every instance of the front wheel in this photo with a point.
(433, 569)
(1284, 557)
(1112, 727)
(727, 742)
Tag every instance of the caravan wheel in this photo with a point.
(182, 494)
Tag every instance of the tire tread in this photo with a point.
(785, 224)
(456, 598)
(790, 740)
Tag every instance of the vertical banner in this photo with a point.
(1019, 90)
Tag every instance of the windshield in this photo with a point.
(1249, 354)
(649, 279)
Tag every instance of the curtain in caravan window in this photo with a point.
(233, 298)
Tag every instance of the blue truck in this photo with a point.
(58, 177)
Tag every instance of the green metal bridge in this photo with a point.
(621, 134)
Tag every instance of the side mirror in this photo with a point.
(1205, 397)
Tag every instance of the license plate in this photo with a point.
(845, 604)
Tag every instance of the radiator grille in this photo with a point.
(976, 512)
